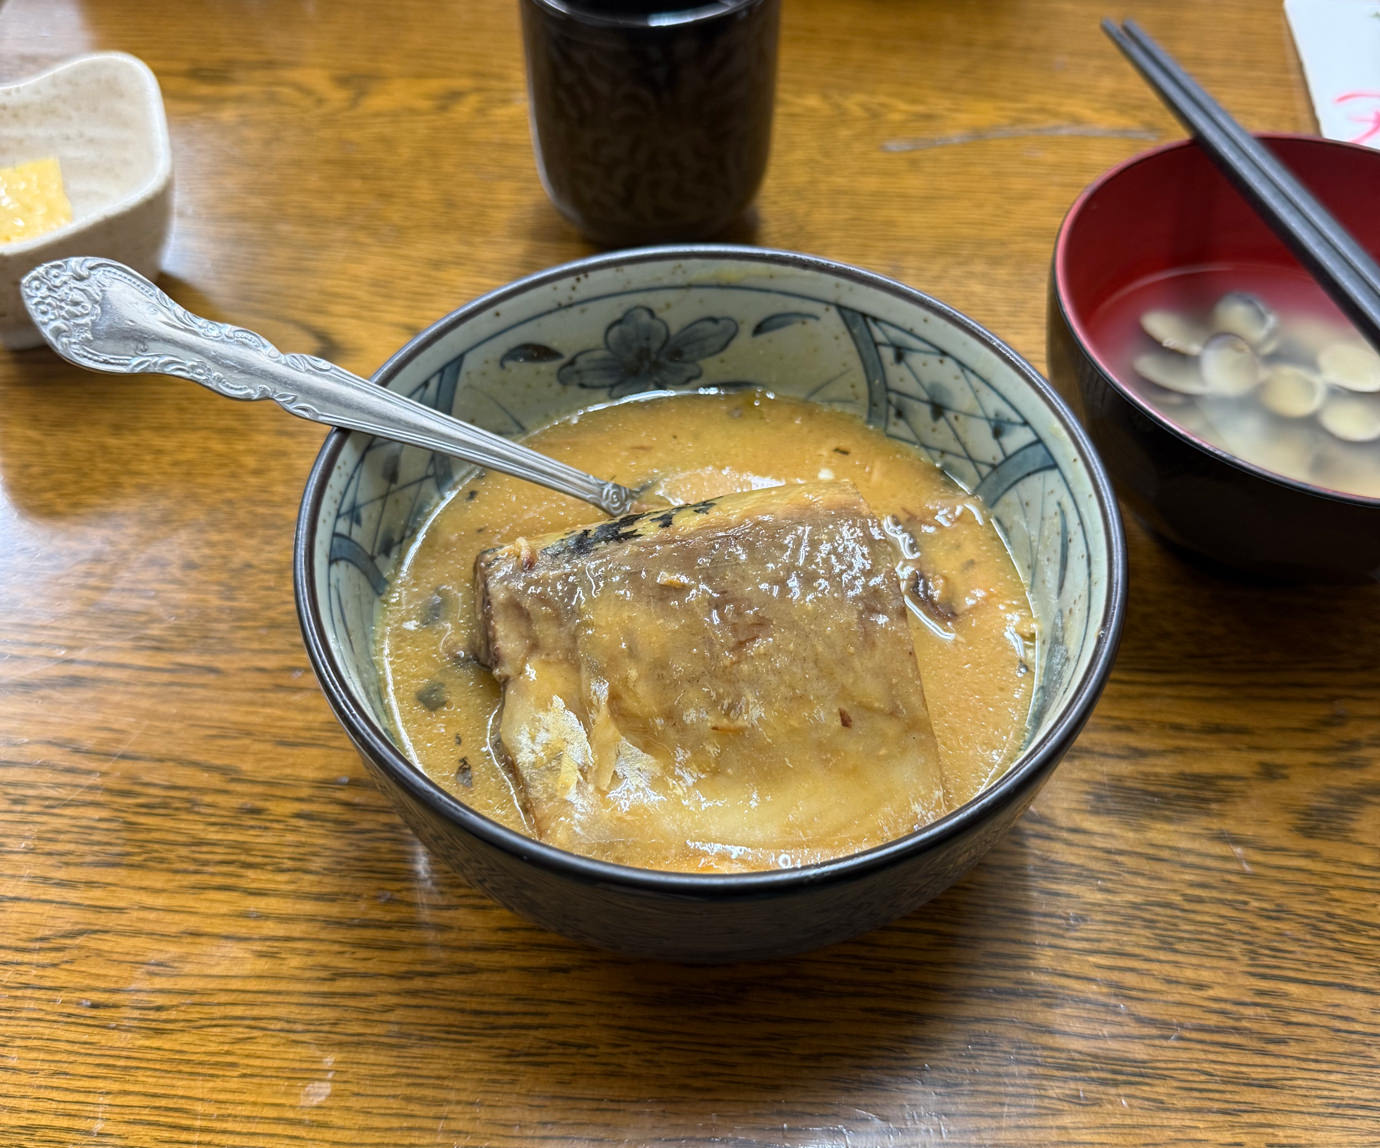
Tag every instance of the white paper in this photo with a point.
(1339, 44)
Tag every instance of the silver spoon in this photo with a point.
(105, 316)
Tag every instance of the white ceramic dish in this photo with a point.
(102, 117)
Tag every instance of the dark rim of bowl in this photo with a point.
(1080, 333)
(1027, 770)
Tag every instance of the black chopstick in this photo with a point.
(1236, 137)
(1342, 267)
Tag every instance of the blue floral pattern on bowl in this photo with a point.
(640, 354)
(723, 317)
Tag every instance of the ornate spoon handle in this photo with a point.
(106, 317)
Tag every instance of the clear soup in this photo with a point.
(1255, 360)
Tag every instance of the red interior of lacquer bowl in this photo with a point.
(1172, 208)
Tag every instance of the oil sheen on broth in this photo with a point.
(968, 616)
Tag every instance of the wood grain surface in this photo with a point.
(214, 931)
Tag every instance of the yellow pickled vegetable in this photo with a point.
(32, 200)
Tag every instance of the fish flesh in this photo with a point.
(733, 679)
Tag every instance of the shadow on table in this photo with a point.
(549, 236)
(714, 1048)
(74, 441)
(1193, 613)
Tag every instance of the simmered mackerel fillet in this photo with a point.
(736, 677)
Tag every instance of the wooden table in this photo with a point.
(215, 931)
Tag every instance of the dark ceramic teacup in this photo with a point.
(651, 119)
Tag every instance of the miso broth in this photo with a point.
(973, 632)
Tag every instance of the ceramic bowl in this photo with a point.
(1171, 209)
(102, 117)
(800, 326)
